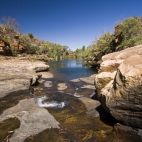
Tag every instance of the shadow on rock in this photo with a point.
(105, 117)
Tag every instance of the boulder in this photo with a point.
(112, 61)
(122, 96)
(110, 65)
(33, 119)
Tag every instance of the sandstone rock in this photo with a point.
(110, 65)
(84, 86)
(41, 68)
(91, 106)
(17, 74)
(112, 61)
(38, 66)
(94, 108)
(122, 97)
(2, 43)
(33, 119)
(87, 80)
(126, 133)
(102, 79)
(123, 54)
(48, 84)
(61, 86)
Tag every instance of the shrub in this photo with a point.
(14, 51)
(31, 49)
(131, 30)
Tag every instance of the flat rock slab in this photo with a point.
(33, 119)
(17, 74)
(91, 106)
(62, 86)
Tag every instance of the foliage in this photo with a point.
(14, 51)
(28, 43)
(31, 49)
(104, 44)
(25, 39)
(83, 48)
(6, 39)
(30, 35)
(83, 52)
(131, 30)
(127, 34)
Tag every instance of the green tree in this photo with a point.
(131, 30)
(30, 35)
(83, 48)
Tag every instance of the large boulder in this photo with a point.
(122, 96)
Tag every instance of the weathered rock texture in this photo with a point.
(33, 119)
(122, 96)
(17, 74)
(9, 40)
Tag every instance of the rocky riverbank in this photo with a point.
(31, 119)
(19, 74)
(119, 85)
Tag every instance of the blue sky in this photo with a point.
(73, 23)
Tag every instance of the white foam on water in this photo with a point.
(40, 103)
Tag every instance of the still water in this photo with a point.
(72, 68)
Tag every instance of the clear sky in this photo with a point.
(73, 23)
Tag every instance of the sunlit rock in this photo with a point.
(122, 96)
(33, 119)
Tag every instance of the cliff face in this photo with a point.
(119, 85)
(11, 40)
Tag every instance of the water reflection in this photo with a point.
(72, 68)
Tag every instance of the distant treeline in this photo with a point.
(14, 42)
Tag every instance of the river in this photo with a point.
(65, 91)
(72, 69)
(66, 95)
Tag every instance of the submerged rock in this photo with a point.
(122, 96)
(126, 133)
(33, 119)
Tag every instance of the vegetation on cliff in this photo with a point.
(127, 34)
(12, 42)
